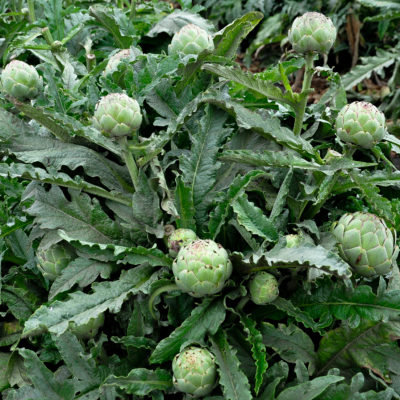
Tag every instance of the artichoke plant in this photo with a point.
(263, 288)
(20, 80)
(191, 39)
(360, 123)
(53, 260)
(202, 268)
(90, 329)
(366, 243)
(117, 115)
(179, 238)
(312, 32)
(194, 371)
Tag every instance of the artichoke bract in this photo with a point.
(312, 32)
(179, 238)
(90, 329)
(191, 39)
(117, 115)
(360, 123)
(366, 243)
(195, 372)
(202, 268)
(53, 260)
(263, 288)
(20, 80)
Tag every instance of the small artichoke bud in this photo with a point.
(360, 123)
(263, 288)
(117, 115)
(53, 260)
(195, 372)
(201, 268)
(332, 155)
(90, 329)
(312, 32)
(20, 80)
(366, 243)
(191, 39)
(293, 240)
(114, 61)
(179, 238)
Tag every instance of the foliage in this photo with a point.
(240, 158)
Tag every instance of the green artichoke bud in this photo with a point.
(114, 61)
(90, 329)
(191, 39)
(194, 371)
(366, 243)
(117, 115)
(360, 123)
(263, 288)
(293, 240)
(179, 238)
(202, 268)
(53, 260)
(312, 32)
(20, 80)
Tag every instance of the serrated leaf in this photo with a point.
(205, 318)
(43, 379)
(258, 349)
(82, 366)
(81, 307)
(248, 80)
(380, 204)
(291, 343)
(309, 390)
(81, 218)
(200, 169)
(81, 271)
(61, 179)
(220, 213)
(253, 219)
(135, 342)
(122, 254)
(333, 300)
(346, 347)
(141, 381)
(383, 59)
(234, 382)
(228, 39)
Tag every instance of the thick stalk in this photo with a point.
(129, 161)
(167, 288)
(301, 108)
(31, 9)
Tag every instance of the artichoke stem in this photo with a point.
(167, 288)
(130, 162)
(31, 11)
(301, 107)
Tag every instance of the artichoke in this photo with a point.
(202, 268)
(360, 123)
(312, 32)
(191, 39)
(53, 260)
(179, 238)
(194, 371)
(90, 329)
(366, 243)
(114, 60)
(117, 115)
(20, 80)
(263, 288)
